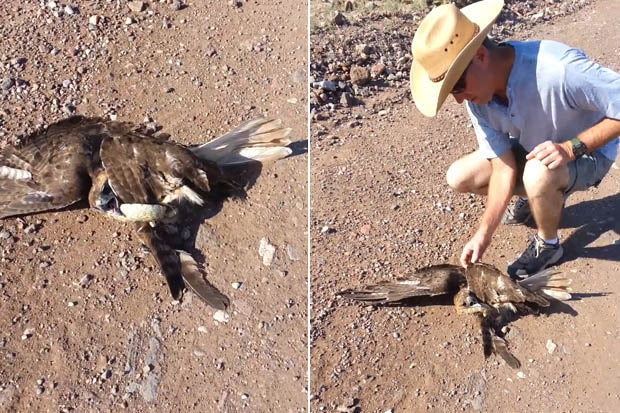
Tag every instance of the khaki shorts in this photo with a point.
(584, 172)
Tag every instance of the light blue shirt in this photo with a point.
(554, 93)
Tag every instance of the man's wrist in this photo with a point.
(568, 148)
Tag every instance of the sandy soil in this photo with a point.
(380, 207)
(197, 69)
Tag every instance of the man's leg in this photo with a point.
(471, 174)
(545, 190)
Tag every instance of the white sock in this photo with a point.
(552, 241)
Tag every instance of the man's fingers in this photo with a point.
(465, 257)
(474, 256)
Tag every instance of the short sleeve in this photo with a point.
(590, 86)
(492, 143)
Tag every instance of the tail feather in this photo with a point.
(259, 140)
(549, 282)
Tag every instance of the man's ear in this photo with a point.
(482, 56)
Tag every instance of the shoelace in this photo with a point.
(533, 249)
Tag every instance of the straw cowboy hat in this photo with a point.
(442, 47)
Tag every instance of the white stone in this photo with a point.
(221, 316)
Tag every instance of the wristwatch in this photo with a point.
(579, 148)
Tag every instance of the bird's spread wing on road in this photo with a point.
(430, 281)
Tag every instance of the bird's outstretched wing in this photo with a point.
(50, 170)
(180, 269)
(430, 281)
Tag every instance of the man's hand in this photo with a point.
(552, 155)
(475, 247)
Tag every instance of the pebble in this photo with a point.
(27, 333)
(551, 346)
(5, 235)
(521, 375)
(236, 285)
(292, 253)
(221, 316)
(136, 6)
(266, 251)
(85, 280)
(7, 83)
(94, 20)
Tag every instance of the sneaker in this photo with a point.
(518, 212)
(537, 256)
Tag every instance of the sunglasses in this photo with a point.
(460, 85)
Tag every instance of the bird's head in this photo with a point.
(102, 197)
(467, 303)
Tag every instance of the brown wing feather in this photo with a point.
(493, 287)
(166, 258)
(180, 269)
(142, 169)
(429, 281)
(57, 160)
(201, 287)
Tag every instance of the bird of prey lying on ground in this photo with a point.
(480, 289)
(132, 175)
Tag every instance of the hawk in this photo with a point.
(133, 175)
(480, 289)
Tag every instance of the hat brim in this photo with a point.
(428, 95)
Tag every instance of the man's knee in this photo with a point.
(538, 179)
(456, 178)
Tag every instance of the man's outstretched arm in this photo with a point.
(501, 187)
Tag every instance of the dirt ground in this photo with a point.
(198, 69)
(380, 207)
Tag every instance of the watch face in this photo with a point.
(579, 148)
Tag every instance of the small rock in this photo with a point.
(551, 346)
(85, 280)
(235, 3)
(7, 83)
(267, 251)
(292, 253)
(359, 75)
(136, 6)
(377, 70)
(129, 20)
(27, 333)
(236, 285)
(340, 20)
(94, 20)
(70, 10)
(521, 375)
(5, 235)
(221, 316)
(347, 100)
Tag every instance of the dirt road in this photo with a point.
(197, 69)
(381, 207)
